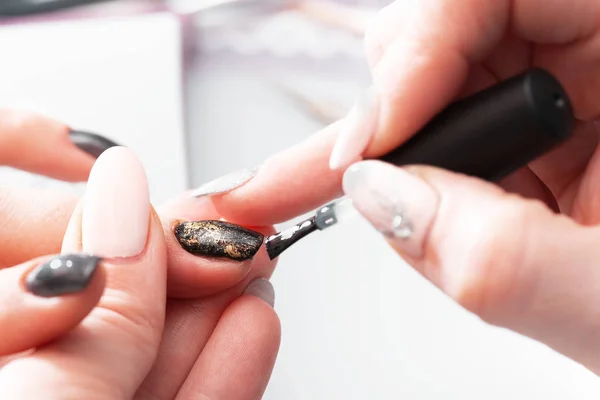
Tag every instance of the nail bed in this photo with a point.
(218, 239)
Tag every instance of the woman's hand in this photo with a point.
(121, 331)
(503, 253)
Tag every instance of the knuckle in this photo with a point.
(381, 30)
(131, 318)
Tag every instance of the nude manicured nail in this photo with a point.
(116, 206)
(225, 183)
(399, 204)
(356, 131)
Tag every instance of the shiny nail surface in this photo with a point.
(70, 273)
(91, 143)
(356, 131)
(399, 204)
(218, 239)
(116, 206)
(225, 183)
(263, 289)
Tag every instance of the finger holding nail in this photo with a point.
(249, 332)
(198, 338)
(116, 222)
(207, 254)
(35, 143)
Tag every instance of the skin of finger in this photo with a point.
(127, 324)
(381, 31)
(516, 265)
(562, 168)
(238, 359)
(35, 143)
(194, 276)
(585, 205)
(33, 223)
(30, 321)
(287, 184)
(188, 326)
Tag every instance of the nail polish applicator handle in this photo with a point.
(494, 132)
(487, 135)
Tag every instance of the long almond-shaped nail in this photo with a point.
(218, 239)
(65, 274)
(399, 204)
(225, 183)
(356, 131)
(91, 143)
(116, 206)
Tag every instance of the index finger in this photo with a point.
(288, 184)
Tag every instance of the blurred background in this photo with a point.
(199, 88)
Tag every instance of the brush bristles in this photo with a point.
(279, 242)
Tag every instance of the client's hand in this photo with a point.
(149, 320)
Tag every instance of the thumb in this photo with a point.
(509, 260)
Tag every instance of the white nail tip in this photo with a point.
(225, 183)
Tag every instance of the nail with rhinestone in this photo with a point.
(397, 203)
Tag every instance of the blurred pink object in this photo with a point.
(352, 18)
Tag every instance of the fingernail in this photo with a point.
(91, 143)
(70, 273)
(116, 206)
(356, 130)
(218, 239)
(226, 183)
(397, 203)
(262, 289)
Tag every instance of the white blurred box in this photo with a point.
(117, 75)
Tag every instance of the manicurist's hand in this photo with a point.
(522, 256)
(135, 305)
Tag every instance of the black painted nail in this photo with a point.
(65, 274)
(91, 143)
(218, 239)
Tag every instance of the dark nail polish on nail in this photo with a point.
(91, 143)
(218, 239)
(65, 274)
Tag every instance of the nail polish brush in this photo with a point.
(487, 135)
